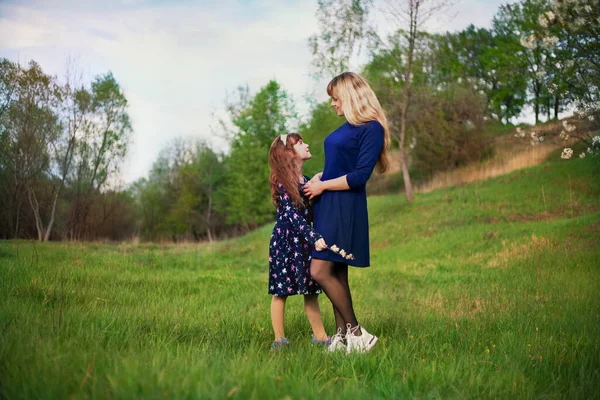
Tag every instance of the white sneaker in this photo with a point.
(337, 341)
(362, 343)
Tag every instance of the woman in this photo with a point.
(340, 211)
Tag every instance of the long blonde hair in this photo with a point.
(360, 105)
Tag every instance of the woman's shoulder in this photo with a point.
(369, 128)
(374, 125)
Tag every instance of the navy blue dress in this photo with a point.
(341, 216)
(290, 248)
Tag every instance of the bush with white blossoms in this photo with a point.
(567, 128)
(567, 153)
(520, 132)
(535, 138)
(592, 141)
(571, 31)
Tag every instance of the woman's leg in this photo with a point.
(277, 316)
(313, 313)
(341, 272)
(324, 272)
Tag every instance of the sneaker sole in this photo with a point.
(336, 349)
(372, 343)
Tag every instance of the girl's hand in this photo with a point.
(314, 188)
(320, 245)
(317, 177)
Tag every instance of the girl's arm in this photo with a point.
(297, 219)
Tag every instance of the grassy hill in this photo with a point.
(483, 290)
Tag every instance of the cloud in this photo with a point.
(176, 62)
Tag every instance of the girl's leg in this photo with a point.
(313, 313)
(277, 316)
(324, 273)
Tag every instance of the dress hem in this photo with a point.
(340, 262)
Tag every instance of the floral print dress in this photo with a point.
(290, 248)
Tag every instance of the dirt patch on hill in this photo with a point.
(526, 158)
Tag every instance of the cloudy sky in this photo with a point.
(178, 60)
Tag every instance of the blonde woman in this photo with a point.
(340, 201)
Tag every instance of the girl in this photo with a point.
(351, 153)
(292, 239)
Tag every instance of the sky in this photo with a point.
(178, 61)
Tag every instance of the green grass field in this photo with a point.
(483, 291)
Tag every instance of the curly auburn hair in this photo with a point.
(284, 163)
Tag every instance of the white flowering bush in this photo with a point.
(592, 141)
(567, 153)
(568, 131)
(571, 30)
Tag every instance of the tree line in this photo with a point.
(62, 142)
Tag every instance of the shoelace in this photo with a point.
(338, 335)
(350, 330)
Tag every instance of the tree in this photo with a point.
(321, 122)
(198, 201)
(75, 104)
(32, 127)
(343, 26)
(573, 27)
(105, 139)
(258, 121)
(339, 37)
(12, 198)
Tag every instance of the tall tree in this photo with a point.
(32, 128)
(522, 20)
(339, 36)
(342, 28)
(75, 104)
(11, 194)
(257, 121)
(104, 144)
(574, 28)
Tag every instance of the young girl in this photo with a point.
(292, 239)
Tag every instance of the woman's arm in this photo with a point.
(371, 143)
(315, 188)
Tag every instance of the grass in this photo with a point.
(486, 290)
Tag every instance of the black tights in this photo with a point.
(333, 278)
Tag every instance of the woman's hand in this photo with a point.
(317, 177)
(320, 245)
(314, 188)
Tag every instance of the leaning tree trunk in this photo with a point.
(405, 98)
